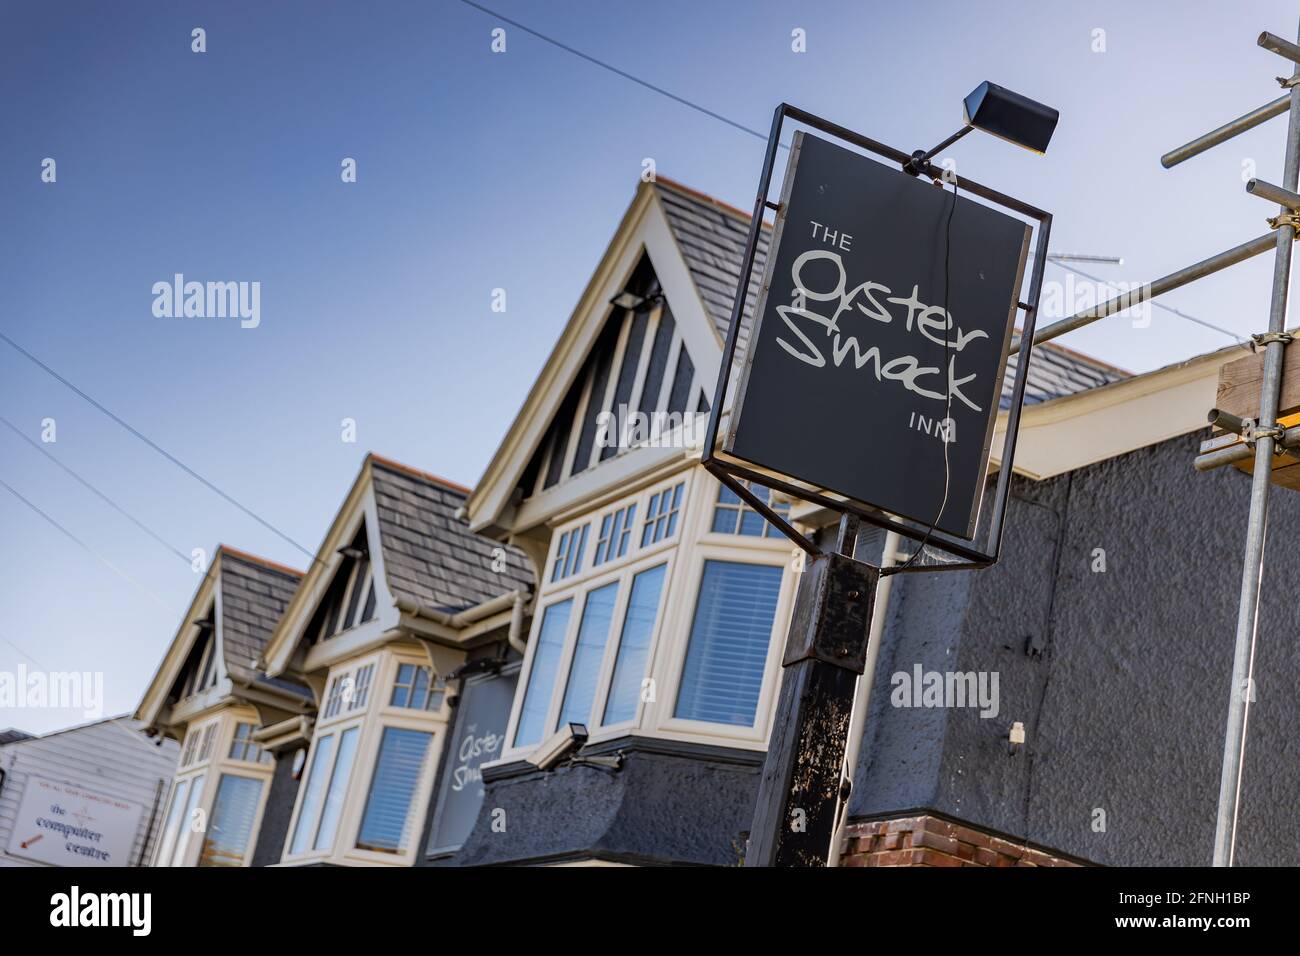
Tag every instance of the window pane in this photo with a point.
(231, 824)
(593, 634)
(561, 550)
(729, 643)
(421, 688)
(581, 549)
(752, 523)
(724, 520)
(629, 516)
(179, 795)
(359, 581)
(634, 646)
(187, 822)
(541, 680)
(386, 825)
(337, 790)
(311, 796)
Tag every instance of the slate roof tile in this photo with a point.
(431, 557)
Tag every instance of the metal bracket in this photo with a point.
(1286, 82)
(1252, 433)
(832, 613)
(1285, 219)
(1261, 339)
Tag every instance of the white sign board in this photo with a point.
(64, 825)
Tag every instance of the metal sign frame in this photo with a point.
(732, 472)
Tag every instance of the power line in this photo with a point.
(85, 547)
(617, 72)
(156, 447)
(759, 135)
(105, 498)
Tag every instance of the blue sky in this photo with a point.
(478, 171)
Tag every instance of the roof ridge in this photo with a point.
(417, 473)
(258, 559)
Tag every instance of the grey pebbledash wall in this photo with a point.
(1121, 677)
(277, 812)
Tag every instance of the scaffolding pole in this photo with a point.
(1252, 571)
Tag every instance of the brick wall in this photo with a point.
(930, 841)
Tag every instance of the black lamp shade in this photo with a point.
(1002, 112)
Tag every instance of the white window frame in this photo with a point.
(676, 648)
(236, 768)
(218, 762)
(684, 553)
(370, 721)
(621, 570)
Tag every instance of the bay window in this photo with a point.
(219, 790)
(674, 628)
(369, 773)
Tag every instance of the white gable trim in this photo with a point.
(155, 696)
(645, 227)
(359, 505)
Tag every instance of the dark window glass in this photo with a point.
(654, 375)
(682, 381)
(627, 373)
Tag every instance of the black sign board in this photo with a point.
(479, 737)
(844, 385)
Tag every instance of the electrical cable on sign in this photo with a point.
(948, 425)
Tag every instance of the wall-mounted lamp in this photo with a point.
(632, 301)
(1015, 118)
(482, 665)
(1002, 112)
(561, 743)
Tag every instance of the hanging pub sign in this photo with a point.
(875, 367)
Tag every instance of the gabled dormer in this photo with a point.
(210, 694)
(398, 562)
(214, 656)
(400, 595)
(624, 393)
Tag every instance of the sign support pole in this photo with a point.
(802, 784)
(802, 790)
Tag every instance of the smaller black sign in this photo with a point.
(845, 385)
(479, 738)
